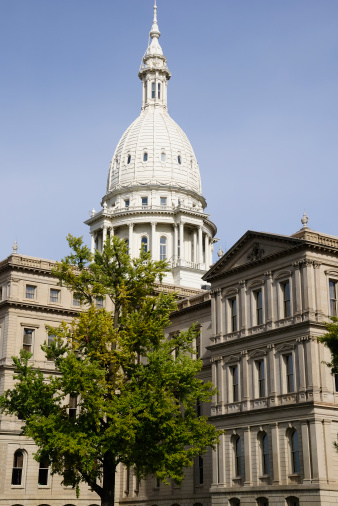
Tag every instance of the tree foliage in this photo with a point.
(136, 390)
(330, 339)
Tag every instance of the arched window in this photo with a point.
(262, 501)
(294, 443)
(265, 455)
(153, 90)
(235, 502)
(238, 456)
(292, 501)
(163, 248)
(158, 90)
(17, 468)
(43, 472)
(179, 159)
(129, 159)
(163, 157)
(144, 244)
(145, 156)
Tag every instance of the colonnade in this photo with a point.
(197, 255)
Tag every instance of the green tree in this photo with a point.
(330, 339)
(136, 391)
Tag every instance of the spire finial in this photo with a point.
(15, 247)
(155, 32)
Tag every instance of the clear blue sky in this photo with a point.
(254, 85)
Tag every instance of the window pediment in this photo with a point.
(228, 292)
(257, 353)
(283, 275)
(285, 347)
(332, 272)
(256, 283)
(232, 359)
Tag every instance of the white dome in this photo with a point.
(154, 150)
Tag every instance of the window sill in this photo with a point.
(238, 479)
(18, 486)
(44, 487)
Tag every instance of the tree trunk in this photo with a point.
(108, 486)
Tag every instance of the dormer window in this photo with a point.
(159, 90)
(145, 157)
(163, 157)
(152, 90)
(179, 159)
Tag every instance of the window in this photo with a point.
(72, 406)
(233, 314)
(145, 157)
(292, 501)
(336, 382)
(158, 90)
(179, 159)
(163, 248)
(152, 90)
(30, 292)
(144, 244)
(163, 201)
(144, 201)
(235, 502)
(127, 203)
(261, 378)
(178, 248)
(27, 343)
(265, 455)
(163, 157)
(262, 501)
(289, 374)
(295, 462)
(286, 299)
(17, 468)
(76, 301)
(238, 457)
(129, 159)
(54, 296)
(99, 302)
(234, 376)
(200, 471)
(333, 297)
(43, 472)
(259, 307)
(127, 244)
(0, 293)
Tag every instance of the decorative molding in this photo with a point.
(231, 359)
(331, 272)
(257, 353)
(256, 282)
(283, 275)
(268, 274)
(316, 264)
(285, 347)
(256, 253)
(230, 291)
(243, 283)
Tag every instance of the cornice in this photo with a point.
(31, 306)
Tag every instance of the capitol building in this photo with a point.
(260, 309)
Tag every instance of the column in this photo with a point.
(311, 352)
(200, 250)
(297, 292)
(275, 453)
(301, 362)
(269, 297)
(242, 308)
(219, 311)
(245, 380)
(318, 302)
(131, 229)
(175, 253)
(206, 247)
(220, 381)
(308, 283)
(195, 246)
(144, 93)
(221, 460)
(271, 379)
(104, 236)
(306, 451)
(213, 312)
(211, 248)
(215, 466)
(329, 449)
(92, 243)
(181, 240)
(112, 231)
(317, 454)
(153, 241)
(214, 378)
(149, 92)
(247, 457)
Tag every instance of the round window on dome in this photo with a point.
(163, 157)
(128, 159)
(179, 159)
(145, 156)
